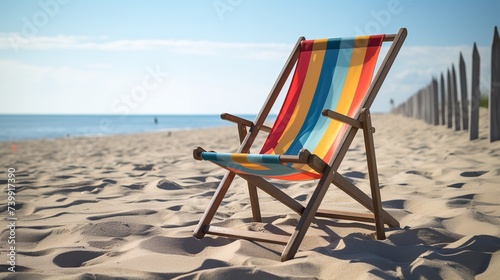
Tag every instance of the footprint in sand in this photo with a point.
(472, 173)
(424, 174)
(456, 185)
(460, 201)
(355, 174)
(75, 258)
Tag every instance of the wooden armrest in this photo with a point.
(265, 128)
(305, 157)
(235, 119)
(242, 121)
(197, 153)
(342, 118)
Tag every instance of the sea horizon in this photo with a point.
(21, 127)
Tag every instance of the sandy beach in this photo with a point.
(126, 206)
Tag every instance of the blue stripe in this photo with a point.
(253, 158)
(314, 120)
(334, 92)
(271, 162)
(265, 158)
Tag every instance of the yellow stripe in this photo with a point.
(304, 167)
(242, 159)
(329, 138)
(346, 98)
(253, 166)
(352, 78)
(305, 97)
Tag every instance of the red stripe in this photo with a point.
(304, 175)
(291, 99)
(365, 78)
(298, 176)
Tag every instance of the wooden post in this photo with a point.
(412, 106)
(435, 101)
(415, 105)
(427, 104)
(494, 100)
(449, 104)
(454, 92)
(463, 94)
(430, 103)
(475, 96)
(421, 103)
(443, 101)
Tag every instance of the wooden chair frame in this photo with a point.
(248, 132)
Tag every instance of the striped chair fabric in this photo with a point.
(330, 74)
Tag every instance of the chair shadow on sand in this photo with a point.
(419, 253)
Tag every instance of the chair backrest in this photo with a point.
(330, 74)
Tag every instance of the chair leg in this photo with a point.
(368, 131)
(214, 204)
(254, 202)
(307, 217)
(252, 190)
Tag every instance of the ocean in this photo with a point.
(29, 127)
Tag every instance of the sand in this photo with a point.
(126, 206)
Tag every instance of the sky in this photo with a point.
(212, 56)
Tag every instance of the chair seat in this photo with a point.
(264, 165)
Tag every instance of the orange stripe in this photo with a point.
(347, 95)
(370, 61)
(306, 96)
(365, 78)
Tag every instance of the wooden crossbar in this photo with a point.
(342, 183)
(344, 215)
(274, 192)
(247, 235)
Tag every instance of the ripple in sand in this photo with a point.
(168, 185)
(424, 174)
(115, 229)
(138, 212)
(144, 167)
(136, 186)
(108, 244)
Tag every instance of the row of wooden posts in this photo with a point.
(438, 102)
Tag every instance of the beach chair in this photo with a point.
(328, 101)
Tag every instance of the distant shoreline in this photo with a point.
(15, 128)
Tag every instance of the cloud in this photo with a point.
(415, 66)
(421, 63)
(201, 47)
(30, 88)
(413, 69)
